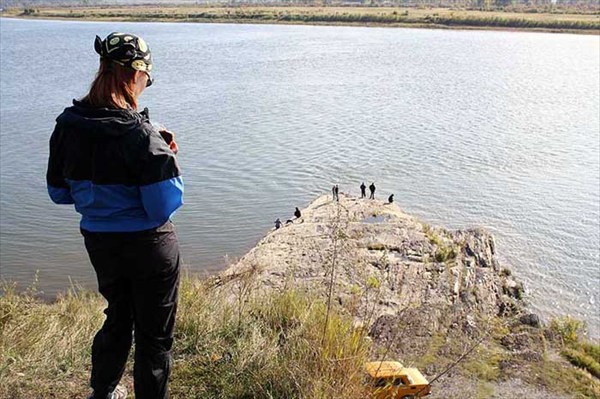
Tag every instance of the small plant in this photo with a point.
(505, 272)
(445, 254)
(567, 328)
(485, 365)
(373, 282)
(376, 246)
(516, 291)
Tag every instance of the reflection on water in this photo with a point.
(498, 129)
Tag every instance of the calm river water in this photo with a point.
(467, 128)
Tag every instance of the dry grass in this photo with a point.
(272, 348)
(582, 360)
(45, 348)
(245, 343)
(575, 348)
(566, 20)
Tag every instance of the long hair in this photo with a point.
(113, 87)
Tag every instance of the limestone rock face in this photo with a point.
(381, 262)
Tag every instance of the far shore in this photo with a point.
(566, 21)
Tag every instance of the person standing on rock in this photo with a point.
(363, 190)
(337, 193)
(333, 193)
(122, 175)
(372, 189)
(297, 213)
(278, 224)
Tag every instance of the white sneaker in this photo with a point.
(120, 392)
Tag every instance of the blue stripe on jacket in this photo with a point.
(60, 195)
(121, 208)
(162, 199)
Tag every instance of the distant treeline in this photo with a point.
(521, 5)
(241, 15)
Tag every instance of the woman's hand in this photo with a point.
(174, 147)
(169, 138)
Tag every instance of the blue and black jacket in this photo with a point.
(115, 167)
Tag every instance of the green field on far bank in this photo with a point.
(566, 20)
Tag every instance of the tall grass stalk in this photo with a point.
(335, 236)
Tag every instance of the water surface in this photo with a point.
(467, 128)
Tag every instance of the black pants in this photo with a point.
(138, 274)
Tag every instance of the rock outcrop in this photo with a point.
(424, 295)
(381, 262)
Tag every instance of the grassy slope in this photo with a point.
(388, 16)
(268, 347)
(241, 345)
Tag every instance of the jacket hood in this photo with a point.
(93, 120)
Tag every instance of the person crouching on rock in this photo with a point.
(124, 179)
(297, 213)
(391, 199)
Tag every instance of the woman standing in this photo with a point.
(123, 178)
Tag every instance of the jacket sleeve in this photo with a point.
(161, 183)
(58, 189)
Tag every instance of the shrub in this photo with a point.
(505, 272)
(567, 328)
(445, 254)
